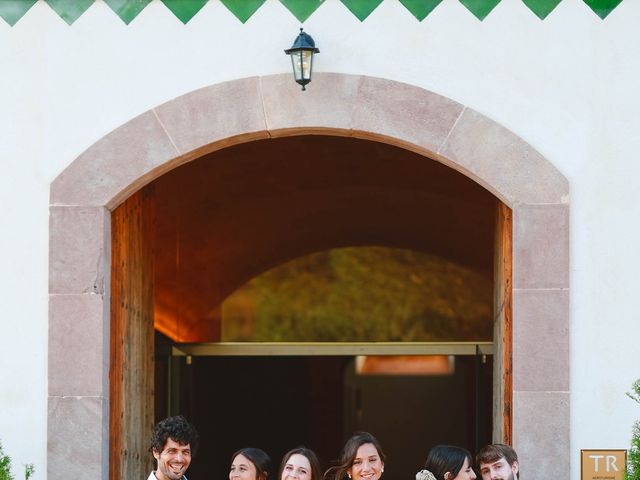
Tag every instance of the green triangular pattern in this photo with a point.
(243, 9)
(602, 8)
(185, 10)
(302, 9)
(541, 8)
(69, 10)
(480, 8)
(127, 10)
(420, 8)
(14, 10)
(361, 8)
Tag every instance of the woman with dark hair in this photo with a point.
(250, 464)
(446, 462)
(361, 458)
(300, 463)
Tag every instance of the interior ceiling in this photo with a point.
(233, 214)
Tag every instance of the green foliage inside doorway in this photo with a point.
(362, 294)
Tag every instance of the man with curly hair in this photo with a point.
(173, 443)
(498, 462)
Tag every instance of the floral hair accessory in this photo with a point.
(425, 475)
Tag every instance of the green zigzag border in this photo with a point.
(184, 10)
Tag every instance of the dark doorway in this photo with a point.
(219, 222)
(277, 403)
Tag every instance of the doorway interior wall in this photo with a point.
(206, 120)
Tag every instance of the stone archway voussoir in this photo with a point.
(404, 115)
(214, 117)
(115, 166)
(502, 162)
(325, 108)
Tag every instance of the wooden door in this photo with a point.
(502, 334)
(131, 373)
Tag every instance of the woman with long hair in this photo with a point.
(446, 462)
(361, 458)
(250, 464)
(301, 463)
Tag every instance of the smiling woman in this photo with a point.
(250, 464)
(447, 462)
(361, 458)
(301, 463)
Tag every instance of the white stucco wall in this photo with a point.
(567, 85)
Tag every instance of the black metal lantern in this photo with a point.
(301, 53)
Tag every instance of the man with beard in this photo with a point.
(173, 442)
(498, 462)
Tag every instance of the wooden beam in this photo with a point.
(332, 348)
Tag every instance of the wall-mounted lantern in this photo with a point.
(301, 53)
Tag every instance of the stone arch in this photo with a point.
(214, 117)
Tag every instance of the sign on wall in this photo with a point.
(603, 464)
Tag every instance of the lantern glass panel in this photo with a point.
(296, 58)
(302, 62)
(307, 61)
